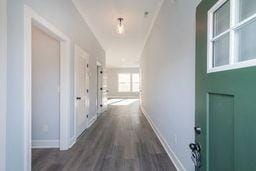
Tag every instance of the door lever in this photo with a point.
(78, 98)
(195, 147)
(198, 130)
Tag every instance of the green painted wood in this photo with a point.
(239, 83)
(221, 132)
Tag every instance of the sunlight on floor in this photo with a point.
(121, 102)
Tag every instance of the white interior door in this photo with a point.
(81, 90)
(104, 90)
(99, 88)
(102, 100)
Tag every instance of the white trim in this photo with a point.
(125, 97)
(244, 64)
(174, 158)
(84, 17)
(78, 51)
(81, 129)
(32, 18)
(3, 82)
(234, 26)
(41, 144)
(72, 141)
(92, 120)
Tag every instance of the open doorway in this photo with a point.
(99, 88)
(45, 90)
(102, 90)
(61, 87)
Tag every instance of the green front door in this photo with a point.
(226, 100)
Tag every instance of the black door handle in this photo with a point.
(195, 147)
(198, 130)
(78, 98)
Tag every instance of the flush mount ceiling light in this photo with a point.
(120, 26)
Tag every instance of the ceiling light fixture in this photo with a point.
(120, 26)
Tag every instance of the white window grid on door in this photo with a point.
(234, 26)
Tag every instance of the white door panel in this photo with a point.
(102, 90)
(82, 100)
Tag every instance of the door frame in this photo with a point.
(31, 18)
(77, 50)
(99, 109)
(3, 83)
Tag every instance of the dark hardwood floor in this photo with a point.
(120, 140)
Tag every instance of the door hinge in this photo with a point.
(87, 90)
(87, 116)
(87, 65)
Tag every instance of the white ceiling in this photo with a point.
(101, 16)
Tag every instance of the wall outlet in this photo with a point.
(45, 128)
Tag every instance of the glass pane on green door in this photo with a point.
(221, 51)
(246, 8)
(246, 38)
(221, 19)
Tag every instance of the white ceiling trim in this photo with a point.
(152, 25)
(112, 53)
(86, 21)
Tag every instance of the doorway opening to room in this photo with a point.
(45, 90)
(99, 88)
(47, 86)
(102, 89)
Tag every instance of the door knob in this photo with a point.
(195, 147)
(198, 130)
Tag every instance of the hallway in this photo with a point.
(121, 139)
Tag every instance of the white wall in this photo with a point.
(112, 82)
(168, 76)
(63, 15)
(3, 36)
(45, 84)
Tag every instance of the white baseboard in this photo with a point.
(177, 163)
(123, 97)
(72, 141)
(37, 144)
(81, 129)
(94, 118)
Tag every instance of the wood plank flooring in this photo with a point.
(120, 140)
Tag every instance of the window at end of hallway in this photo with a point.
(124, 82)
(231, 35)
(128, 82)
(135, 82)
